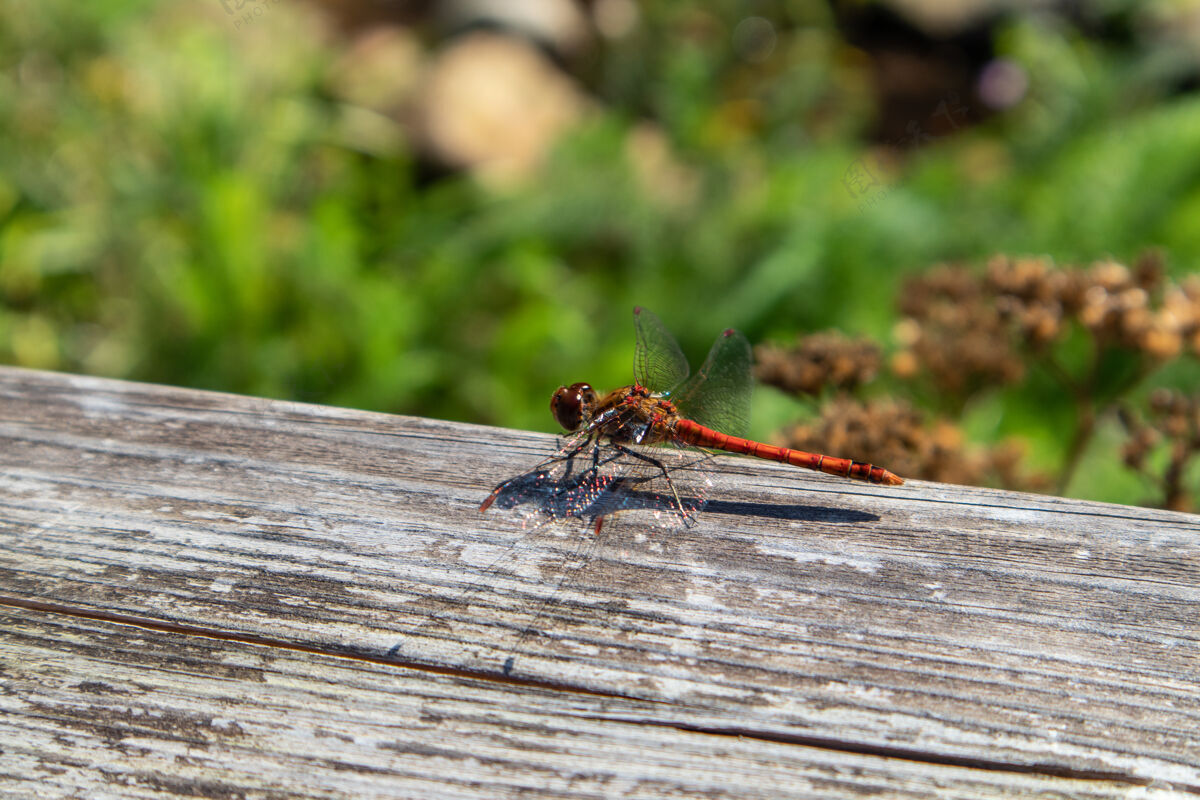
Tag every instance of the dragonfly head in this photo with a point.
(572, 405)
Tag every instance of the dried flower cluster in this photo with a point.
(818, 362)
(1135, 308)
(964, 332)
(900, 438)
(968, 331)
(954, 334)
(1173, 424)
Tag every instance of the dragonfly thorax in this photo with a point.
(573, 405)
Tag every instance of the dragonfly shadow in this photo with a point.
(790, 512)
(588, 494)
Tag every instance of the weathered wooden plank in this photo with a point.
(946, 624)
(94, 709)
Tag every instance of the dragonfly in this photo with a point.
(634, 446)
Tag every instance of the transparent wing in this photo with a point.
(586, 480)
(658, 362)
(592, 480)
(718, 395)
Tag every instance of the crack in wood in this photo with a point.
(163, 626)
(817, 742)
(919, 756)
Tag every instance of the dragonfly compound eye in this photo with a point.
(571, 405)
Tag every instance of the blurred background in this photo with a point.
(448, 209)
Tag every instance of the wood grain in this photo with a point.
(96, 708)
(925, 640)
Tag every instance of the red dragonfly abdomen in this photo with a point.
(695, 434)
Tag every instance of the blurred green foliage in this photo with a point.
(186, 202)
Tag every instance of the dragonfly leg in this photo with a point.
(666, 474)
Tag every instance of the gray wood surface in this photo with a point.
(218, 596)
